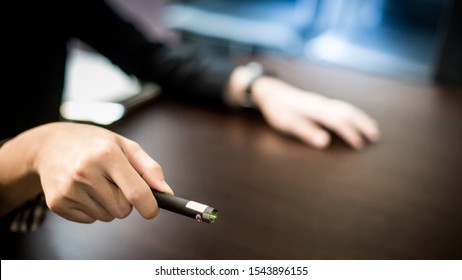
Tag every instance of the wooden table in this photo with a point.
(278, 199)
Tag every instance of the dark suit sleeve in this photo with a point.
(179, 74)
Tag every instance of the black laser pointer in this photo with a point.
(189, 208)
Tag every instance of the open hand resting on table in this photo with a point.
(305, 115)
(87, 173)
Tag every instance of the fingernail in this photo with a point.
(166, 188)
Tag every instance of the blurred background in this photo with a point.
(410, 40)
(405, 39)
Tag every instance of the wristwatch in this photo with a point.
(256, 70)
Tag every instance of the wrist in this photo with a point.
(256, 72)
(241, 90)
(19, 180)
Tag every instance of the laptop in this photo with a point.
(96, 91)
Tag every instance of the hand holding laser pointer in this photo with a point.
(87, 174)
(189, 208)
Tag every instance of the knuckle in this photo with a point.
(67, 192)
(156, 168)
(54, 204)
(133, 145)
(106, 218)
(124, 211)
(104, 150)
(80, 171)
(135, 195)
(58, 199)
(88, 220)
(100, 214)
(68, 188)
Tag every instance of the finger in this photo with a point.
(311, 133)
(336, 117)
(76, 215)
(110, 198)
(346, 131)
(76, 196)
(134, 188)
(350, 135)
(80, 198)
(367, 126)
(147, 167)
(94, 209)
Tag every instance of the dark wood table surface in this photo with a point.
(278, 199)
